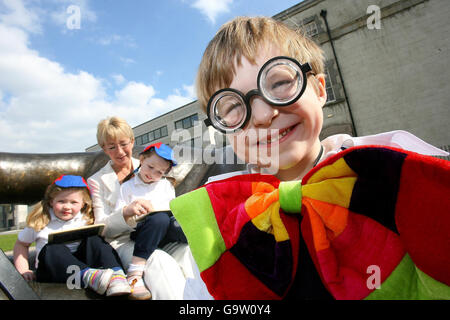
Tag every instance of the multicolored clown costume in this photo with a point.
(375, 220)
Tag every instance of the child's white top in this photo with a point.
(29, 235)
(336, 143)
(160, 193)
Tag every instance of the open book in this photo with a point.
(76, 234)
(143, 216)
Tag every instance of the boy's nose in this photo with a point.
(262, 112)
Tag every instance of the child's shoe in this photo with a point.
(97, 279)
(118, 285)
(138, 289)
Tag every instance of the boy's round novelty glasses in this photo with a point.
(281, 82)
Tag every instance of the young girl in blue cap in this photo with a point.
(67, 205)
(158, 228)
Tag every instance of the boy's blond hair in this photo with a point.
(246, 36)
(112, 129)
(39, 217)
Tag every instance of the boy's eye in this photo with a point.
(231, 113)
(281, 84)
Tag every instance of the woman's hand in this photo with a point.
(136, 208)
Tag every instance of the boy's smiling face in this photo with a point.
(283, 137)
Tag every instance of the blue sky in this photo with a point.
(136, 59)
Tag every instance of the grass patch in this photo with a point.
(7, 241)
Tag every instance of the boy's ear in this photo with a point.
(321, 88)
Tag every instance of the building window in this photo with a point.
(157, 133)
(138, 141)
(152, 135)
(187, 122)
(329, 87)
(310, 28)
(144, 138)
(164, 132)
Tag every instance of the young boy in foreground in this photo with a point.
(329, 213)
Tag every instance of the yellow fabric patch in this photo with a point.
(338, 169)
(270, 221)
(334, 191)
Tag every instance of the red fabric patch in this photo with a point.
(364, 243)
(423, 214)
(343, 267)
(228, 279)
(228, 199)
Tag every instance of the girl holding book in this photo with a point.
(67, 205)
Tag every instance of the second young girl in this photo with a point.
(159, 227)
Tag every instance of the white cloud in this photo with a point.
(118, 78)
(45, 108)
(18, 16)
(112, 39)
(135, 94)
(212, 8)
(126, 61)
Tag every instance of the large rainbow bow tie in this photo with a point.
(375, 220)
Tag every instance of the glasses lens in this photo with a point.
(281, 81)
(228, 110)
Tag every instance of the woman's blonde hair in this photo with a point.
(39, 217)
(112, 129)
(246, 37)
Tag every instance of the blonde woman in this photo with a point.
(170, 272)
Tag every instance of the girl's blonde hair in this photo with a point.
(39, 217)
(112, 129)
(246, 37)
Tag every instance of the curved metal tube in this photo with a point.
(24, 176)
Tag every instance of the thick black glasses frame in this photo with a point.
(305, 68)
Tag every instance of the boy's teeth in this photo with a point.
(273, 139)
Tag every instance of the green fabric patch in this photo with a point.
(409, 282)
(290, 195)
(195, 214)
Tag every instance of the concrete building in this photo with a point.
(386, 64)
(13, 216)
